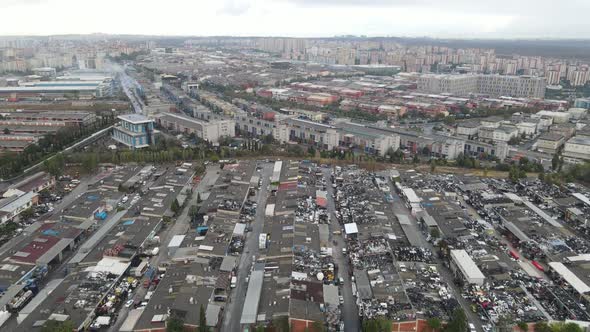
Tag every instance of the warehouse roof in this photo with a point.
(570, 277)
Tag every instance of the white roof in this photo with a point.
(466, 265)
(570, 277)
(19, 202)
(109, 264)
(411, 195)
(270, 210)
(239, 229)
(582, 198)
(135, 118)
(351, 228)
(176, 241)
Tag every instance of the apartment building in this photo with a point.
(493, 85)
(210, 131)
(298, 130)
(369, 139)
(549, 142)
(576, 150)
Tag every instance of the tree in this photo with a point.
(202, 320)
(199, 200)
(376, 325)
(571, 327)
(318, 327)
(174, 324)
(55, 326)
(542, 327)
(27, 214)
(281, 324)
(434, 323)
(55, 166)
(90, 163)
(555, 162)
(523, 326)
(458, 321)
(435, 233)
(6, 131)
(415, 160)
(175, 207)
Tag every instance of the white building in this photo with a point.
(549, 143)
(463, 265)
(558, 117)
(494, 85)
(210, 131)
(527, 128)
(576, 150)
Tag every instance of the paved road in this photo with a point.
(233, 310)
(399, 207)
(350, 314)
(181, 226)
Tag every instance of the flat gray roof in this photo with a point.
(250, 311)
(54, 251)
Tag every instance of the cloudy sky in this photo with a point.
(301, 18)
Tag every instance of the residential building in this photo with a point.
(468, 128)
(558, 117)
(527, 128)
(549, 143)
(576, 150)
(369, 139)
(12, 206)
(135, 131)
(298, 130)
(210, 131)
(493, 85)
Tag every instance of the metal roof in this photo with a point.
(570, 277)
(250, 310)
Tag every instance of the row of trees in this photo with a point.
(13, 164)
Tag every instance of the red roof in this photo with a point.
(288, 185)
(35, 249)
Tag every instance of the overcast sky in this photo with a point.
(301, 18)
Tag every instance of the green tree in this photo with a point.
(415, 160)
(55, 326)
(542, 327)
(571, 327)
(434, 323)
(458, 321)
(318, 327)
(90, 163)
(175, 207)
(281, 324)
(202, 320)
(523, 326)
(376, 325)
(55, 165)
(555, 162)
(174, 324)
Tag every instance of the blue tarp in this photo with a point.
(50, 232)
(101, 215)
(128, 222)
(92, 198)
(201, 230)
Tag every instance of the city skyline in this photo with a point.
(303, 18)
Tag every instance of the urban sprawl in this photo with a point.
(289, 184)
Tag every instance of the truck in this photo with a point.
(262, 241)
